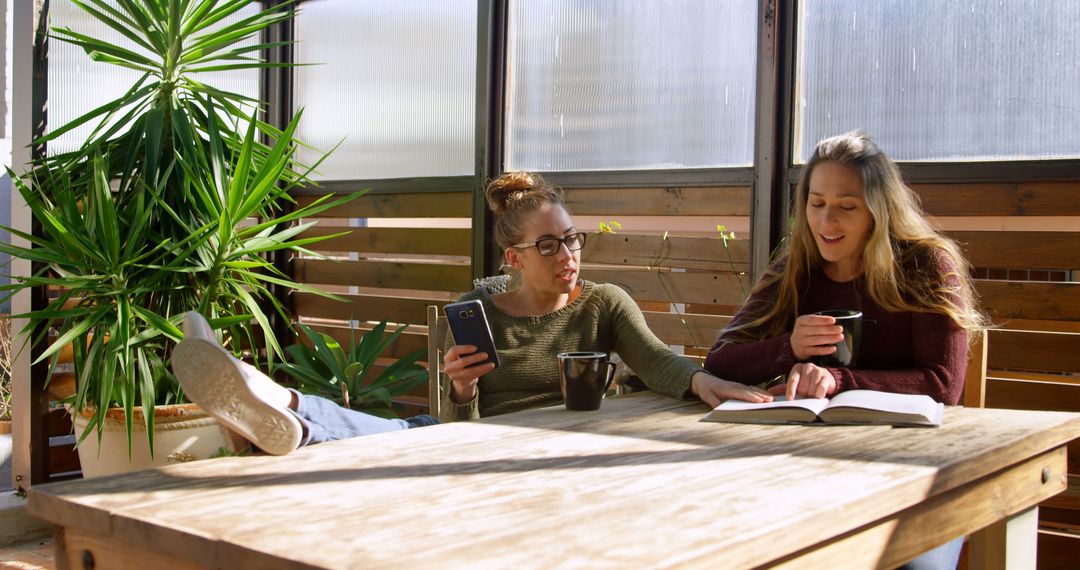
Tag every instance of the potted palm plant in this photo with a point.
(173, 204)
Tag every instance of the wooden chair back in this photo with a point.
(437, 330)
(975, 380)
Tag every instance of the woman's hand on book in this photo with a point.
(713, 390)
(808, 380)
(815, 335)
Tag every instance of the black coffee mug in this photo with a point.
(584, 378)
(847, 350)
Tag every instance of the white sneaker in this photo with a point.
(196, 326)
(235, 394)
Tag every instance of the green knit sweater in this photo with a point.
(603, 318)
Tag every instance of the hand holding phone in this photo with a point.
(468, 325)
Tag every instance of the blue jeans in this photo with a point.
(943, 557)
(324, 420)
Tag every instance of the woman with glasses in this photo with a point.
(546, 309)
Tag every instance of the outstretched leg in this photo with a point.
(275, 419)
(239, 396)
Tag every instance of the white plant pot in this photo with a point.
(182, 433)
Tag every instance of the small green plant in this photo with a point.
(658, 263)
(609, 227)
(346, 376)
(226, 452)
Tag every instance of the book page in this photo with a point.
(804, 410)
(813, 404)
(871, 406)
(884, 401)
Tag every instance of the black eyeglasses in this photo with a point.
(550, 246)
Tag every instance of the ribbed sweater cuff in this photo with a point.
(454, 412)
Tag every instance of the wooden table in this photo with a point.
(640, 483)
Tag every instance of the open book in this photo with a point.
(852, 407)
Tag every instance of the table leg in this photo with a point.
(1007, 544)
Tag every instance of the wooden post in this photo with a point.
(29, 441)
(1007, 544)
(975, 379)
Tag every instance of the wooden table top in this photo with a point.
(639, 483)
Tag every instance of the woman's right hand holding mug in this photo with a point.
(815, 335)
(464, 367)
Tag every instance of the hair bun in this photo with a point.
(511, 188)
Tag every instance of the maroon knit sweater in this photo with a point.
(908, 353)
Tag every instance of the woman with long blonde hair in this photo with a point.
(860, 241)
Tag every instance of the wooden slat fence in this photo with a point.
(415, 251)
(1027, 281)
(684, 274)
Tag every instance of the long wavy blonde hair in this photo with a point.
(902, 261)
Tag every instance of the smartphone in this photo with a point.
(469, 325)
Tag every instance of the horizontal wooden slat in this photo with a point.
(681, 287)
(1043, 326)
(1004, 300)
(1031, 395)
(1063, 510)
(687, 330)
(668, 327)
(1057, 550)
(433, 241)
(1061, 517)
(387, 274)
(716, 201)
(1021, 250)
(1033, 376)
(1059, 352)
(406, 343)
(367, 307)
(409, 205)
(683, 252)
(1001, 199)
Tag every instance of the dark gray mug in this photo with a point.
(847, 350)
(584, 378)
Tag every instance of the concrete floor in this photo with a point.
(25, 543)
(32, 555)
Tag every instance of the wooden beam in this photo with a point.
(672, 201)
(687, 329)
(433, 241)
(707, 253)
(975, 379)
(406, 343)
(1026, 350)
(408, 205)
(1005, 300)
(367, 308)
(885, 544)
(671, 287)
(1001, 199)
(1021, 250)
(384, 274)
(1032, 395)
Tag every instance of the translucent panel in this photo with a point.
(395, 84)
(599, 85)
(932, 80)
(77, 84)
